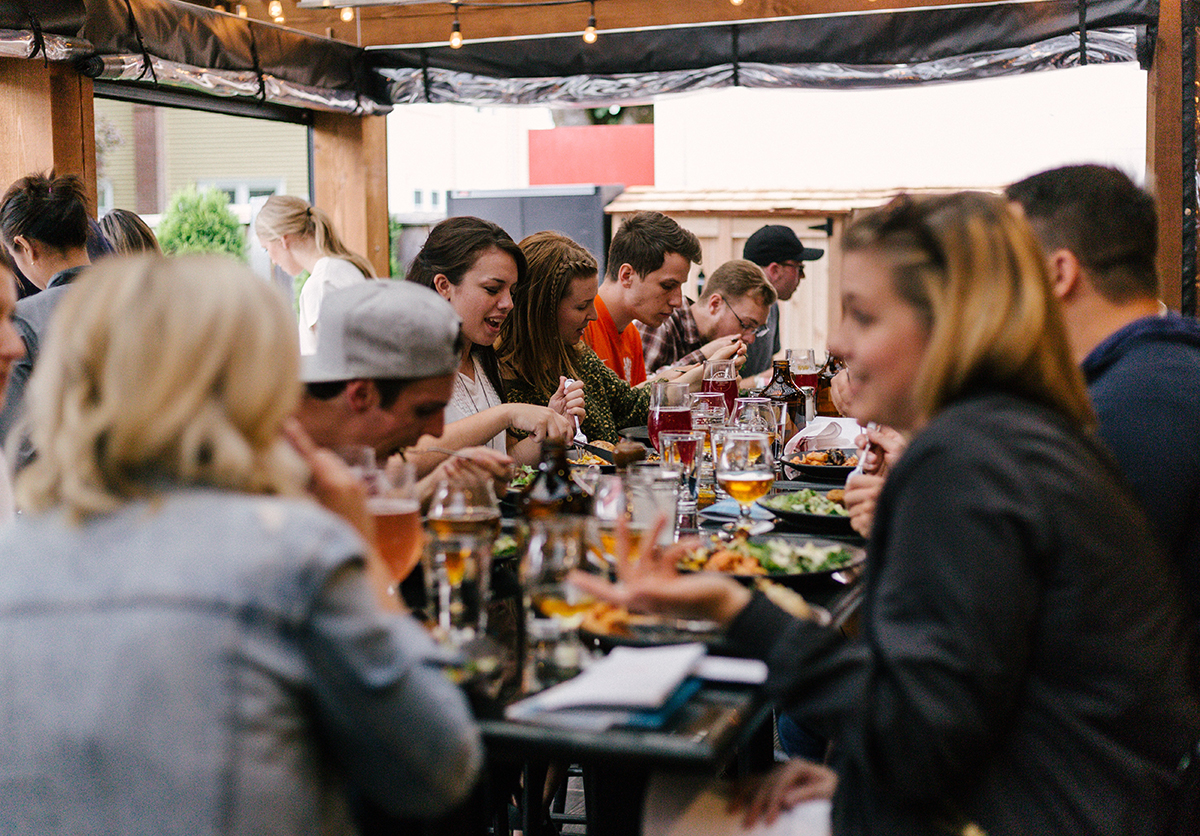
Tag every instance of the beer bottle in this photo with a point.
(788, 401)
(552, 490)
(832, 366)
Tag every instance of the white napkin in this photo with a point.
(679, 805)
(818, 435)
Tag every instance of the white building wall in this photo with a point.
(976, 133)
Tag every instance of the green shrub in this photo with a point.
(201, 222)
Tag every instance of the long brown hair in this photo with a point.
(529, 348)
(975, 274)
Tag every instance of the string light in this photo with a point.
(242, 10)
(589, 34)
(737, 2)
(456, 39)
(347, 14)
(275, 8)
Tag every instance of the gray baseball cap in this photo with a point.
(381, 329)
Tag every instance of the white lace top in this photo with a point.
(472, 396)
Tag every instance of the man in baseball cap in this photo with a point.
(781, 255)
(383, 368)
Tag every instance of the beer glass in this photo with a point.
(722, 376)
(670, 409)
(745, 471)
(396, 514)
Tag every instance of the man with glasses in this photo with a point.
(731, 311)
(778, 251)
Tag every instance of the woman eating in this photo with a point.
(477, 267)
(298, 238)
(1024, 664)
(534, 357)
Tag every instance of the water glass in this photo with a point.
(681, 455)
(462, 524)
(553, 606)
(653, 495)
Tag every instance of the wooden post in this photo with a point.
(49, 123)
(350, 181)
(1164, 148)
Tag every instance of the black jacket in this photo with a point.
(1024, 662)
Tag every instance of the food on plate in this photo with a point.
(524, 476)
(771, 557)
(606, 619)
(588, 458)
(504, 547)
(807, 501)
(834, 457)
(788, 600)
(837, 495)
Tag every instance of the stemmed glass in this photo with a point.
(463, 523)
(681, 455)
(746, 471)
(553, 606)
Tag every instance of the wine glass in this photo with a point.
(745, 470)
(463, 523)
(670, 409)
(722, 376)
(553, 606)
(681, 455)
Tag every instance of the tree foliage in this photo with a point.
(201, 222)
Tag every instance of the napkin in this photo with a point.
(822, 433)
(727, 509)
(629, 679)
(676, 806)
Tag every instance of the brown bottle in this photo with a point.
(832, 366)
(552, 490)
(783, 391)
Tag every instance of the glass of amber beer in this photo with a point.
(396, 513)
(745, 470)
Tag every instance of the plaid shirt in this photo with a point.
(676, 342)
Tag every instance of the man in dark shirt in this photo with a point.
(781, 255)
(1141, 362)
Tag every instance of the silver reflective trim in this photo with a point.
(16, 43)
(407, 86)
(238, 83)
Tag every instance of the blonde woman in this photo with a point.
(1025, 664)
(128, 233)
(300, 237)
(199, 643)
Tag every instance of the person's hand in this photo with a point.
(333, 484)
(712, 349)
(862, 495)
(882, 447)
(568, 399)
(540, 422)
(470, 463)
(841, 391)
(650, 583)
(727, 348)
(763, 798)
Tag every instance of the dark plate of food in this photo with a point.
(831, 465)
(808, 510)
(605, 626)
(811, 565)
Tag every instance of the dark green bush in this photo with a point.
(201, 222)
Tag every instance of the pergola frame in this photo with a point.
(47, 104)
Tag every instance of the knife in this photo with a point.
(599, 452)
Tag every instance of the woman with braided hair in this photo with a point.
(541, 340)
(300, 237)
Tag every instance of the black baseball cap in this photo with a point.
(775, 244)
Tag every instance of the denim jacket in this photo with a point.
(208, 662)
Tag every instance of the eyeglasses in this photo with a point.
(757, 330)
(797, 264)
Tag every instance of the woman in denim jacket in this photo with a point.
(187, 643)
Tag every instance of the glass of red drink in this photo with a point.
(670, 409)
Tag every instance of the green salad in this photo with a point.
(806, 501)
(524, 476)
(775, 557)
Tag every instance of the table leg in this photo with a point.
(612, 799)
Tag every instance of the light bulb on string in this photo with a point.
(242, 10)
(589, 34)
(347, 14)
(275, 9)
(737, 2)
(456, 39)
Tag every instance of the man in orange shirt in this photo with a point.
(648, 262)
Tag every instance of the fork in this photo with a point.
(580, 436)
(862, 456)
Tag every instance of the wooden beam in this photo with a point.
(49, 123)
(350, 183)
(430, 23)
(1164, 148)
